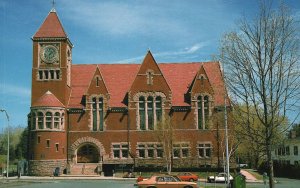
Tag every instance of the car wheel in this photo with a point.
(151, 187)
(188, 186)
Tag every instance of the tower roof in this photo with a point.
(47, 100)
(51, 27)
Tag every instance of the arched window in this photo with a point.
(200, 113)
(142, 113)
(33, 127)
(56, 120)
(150, 113)
(206, 111)
(40, 120)
(48, 120)
(101, 114)
(62, 120)
(203, 111)
(158, 108)
(94, 100)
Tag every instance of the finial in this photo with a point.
(53, 6)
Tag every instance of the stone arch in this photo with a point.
(86, 140)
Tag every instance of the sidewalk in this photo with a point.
(67, 177)
(250, 178)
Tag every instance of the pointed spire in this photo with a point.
(51, 27)
(53, 6)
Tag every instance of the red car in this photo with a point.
(187, 176)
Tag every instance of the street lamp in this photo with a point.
(7, 159)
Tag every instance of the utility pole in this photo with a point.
(7, 159)
(226, 139)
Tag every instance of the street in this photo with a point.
(282, 183)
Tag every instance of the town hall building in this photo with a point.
(98, 118)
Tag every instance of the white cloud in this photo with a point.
(188, 51)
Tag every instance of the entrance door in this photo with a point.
(87, 154)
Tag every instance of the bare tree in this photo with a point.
(261, 63)
(165, 133)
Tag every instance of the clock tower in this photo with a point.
(51, 86)
(52, 60)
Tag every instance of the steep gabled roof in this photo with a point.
(47, 100)
(51, 27)
(119, 77)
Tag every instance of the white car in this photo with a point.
(221, 177)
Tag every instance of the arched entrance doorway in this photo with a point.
(87, 153)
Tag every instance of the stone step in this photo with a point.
(84, 169)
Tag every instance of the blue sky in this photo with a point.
(106, 31)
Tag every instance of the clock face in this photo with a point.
(49, 54)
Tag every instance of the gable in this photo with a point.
(201, 83)
(150, 78)
(97, 84)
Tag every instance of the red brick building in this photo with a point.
(101, 117)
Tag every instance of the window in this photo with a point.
(295, 150)
(203, 111)
(200, 114)
(185, 150)
(56, 120)
(49, 74)
(33, 120)
(97, 108)
(181, 150)
(94, 100)
(48, 143)
(149, 112)
(176, 151)
(141, 151)
(149, 150)
(204, 150)
(48, 120)
(120, 150)
(56, 147)
(158, 108)
(97, 81)
(159, 151)
(142, 113)
(40, 120)
(150, 77)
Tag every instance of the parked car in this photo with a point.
(221, 177)
(187, 176)
(163, 181)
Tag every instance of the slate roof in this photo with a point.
(119, 77)
(51, 27)
(47, 100)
